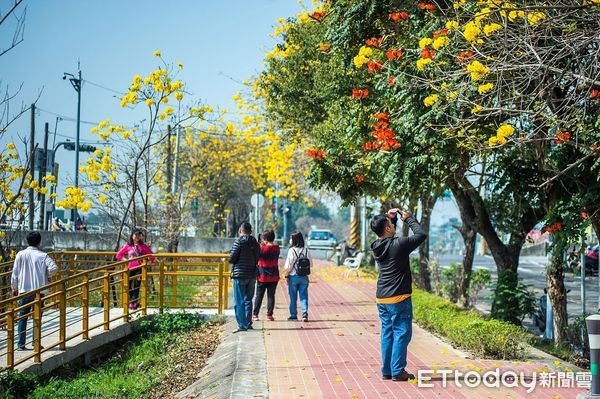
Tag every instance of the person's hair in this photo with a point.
(297, 239)
(136, 231)
(378, 224)
(246, 228)
(34, 238)
(269, 235)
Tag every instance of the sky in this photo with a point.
(221, 43)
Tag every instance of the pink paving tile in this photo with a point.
(340, 345)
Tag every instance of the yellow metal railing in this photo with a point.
(80, 301)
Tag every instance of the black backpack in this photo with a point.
(302, 264)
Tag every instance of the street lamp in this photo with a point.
(76, 82)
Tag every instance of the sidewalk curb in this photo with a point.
(237, 369)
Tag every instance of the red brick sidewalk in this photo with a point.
(336, 354)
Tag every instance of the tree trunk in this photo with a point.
(558, 297)
(469, 237)
(412, 204)
(427, 202)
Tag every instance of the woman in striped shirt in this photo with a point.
(268, 274)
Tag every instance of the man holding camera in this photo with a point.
(394, 289)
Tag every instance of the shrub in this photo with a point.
(17, 385)
(512, 300)
(467, 330)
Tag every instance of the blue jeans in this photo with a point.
(298, 285)
(396, 332)
(243, 292)
(22, 323)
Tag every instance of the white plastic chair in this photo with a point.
(353, 264)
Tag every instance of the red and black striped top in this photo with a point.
(268, 269)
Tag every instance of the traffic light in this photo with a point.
(69, 146)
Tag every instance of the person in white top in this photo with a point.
(297, 285)
(32, 269)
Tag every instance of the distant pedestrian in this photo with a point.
(32, 270)
(244, 259)
(268, 274)
(134, 248)
(394, 290)
(57, 225)
(297, 281)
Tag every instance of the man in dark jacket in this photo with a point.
(394, 289)
(244, 260)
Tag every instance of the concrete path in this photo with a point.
(336, 354)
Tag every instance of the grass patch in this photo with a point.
(136, 370)
(465, 329)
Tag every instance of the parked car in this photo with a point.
(591, 260)
(321, 239)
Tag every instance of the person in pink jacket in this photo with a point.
(132, 249)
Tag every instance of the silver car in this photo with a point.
(321, 239)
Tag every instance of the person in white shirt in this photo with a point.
(297, 285)
(32, 269)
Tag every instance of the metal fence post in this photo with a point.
(85, 302)
(125, 292)
(62, 316)
(144, 288)
(10, 330)
(161, 287)
(37, 327)
(106, 299)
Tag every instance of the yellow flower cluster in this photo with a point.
(363, 56)
(491, 28)
(441, 42)
(75, 199)
(482, 89)
(424, 42)
(100, 162)
(477, 70)
(104, 130)
(431, 99)
(422, 62)
(501, 136)
(471, 31)
(535, 17)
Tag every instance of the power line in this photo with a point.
(104, 87)
(66, 118)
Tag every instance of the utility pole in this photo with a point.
(176, 160)
(77, 83)
(32, 166)
(42, 197)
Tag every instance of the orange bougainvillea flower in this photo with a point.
(427, 53)
(427, 6)
(360, 178)
(359, 93)
(381, 116)
(394, 54)
(441, 32)
(464, 56)
(385, 138)
(374, 41)
(374, 66)
(562, 137)
(317, 154)
(399, 16)
(368, 146)
(318, 15)
(325, 47)
(391, 81)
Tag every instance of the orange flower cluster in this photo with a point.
(427, 53)
(391, 81)
(317, 154)
(318, 15)
(360, 178)
(325, 47)
(562, 137)
(441, 32)
(427, 6)
(374, 42)
(359, 93)
(557, 226)
(595, 94)
(384, 136)
(399, 16)
(394, 54)
(464, 56)
(374, 66)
